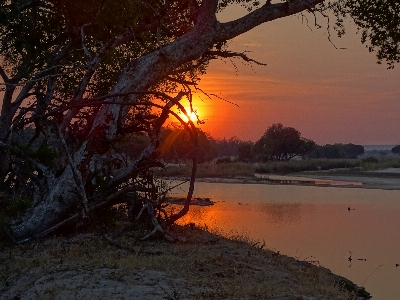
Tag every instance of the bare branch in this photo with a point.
(214, 95)
(83, 41)
(328, 29)
(226, 54)
(3, 75)
(141, 211)
(32, 3)
(181, 81)
(39, 76)
(97, 101)
(154, 221)
(41, 167)
(266, 13)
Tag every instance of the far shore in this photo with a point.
(388, 179)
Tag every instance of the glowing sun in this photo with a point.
(192, 116)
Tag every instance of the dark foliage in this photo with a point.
(282, 144)
(338, 151)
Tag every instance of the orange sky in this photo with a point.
(329, 95)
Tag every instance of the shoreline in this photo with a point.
(365, 180)
(202, 265)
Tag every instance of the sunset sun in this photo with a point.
(192, 116)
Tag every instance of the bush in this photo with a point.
(230, 169)
(370, 159)
(373, 163)
(11, 208)
(293, 166)
(224, 160)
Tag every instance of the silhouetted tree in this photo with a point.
(226, 147)
(396, 149)
(282, 143)
(245, 151)
(177, 145)
(338, 151)
(352, 151)
(84, 75)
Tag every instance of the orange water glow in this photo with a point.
(312, 224)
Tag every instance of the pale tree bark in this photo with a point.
(139, 75)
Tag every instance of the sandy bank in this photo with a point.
(388, 179)
(205, 266)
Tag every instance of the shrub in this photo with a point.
(224, 160)
(370, 159)
(293, 166)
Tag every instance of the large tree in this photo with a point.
(282, 144)
(79, 77)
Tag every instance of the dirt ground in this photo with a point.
(201, 266)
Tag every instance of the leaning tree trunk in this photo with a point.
(139, 76)
(59, 198)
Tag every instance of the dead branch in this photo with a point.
(154, 221)
(85, 49)
(150, 212)
(214, 95)
(40, 77)
(181, 81)
(328, 25)
(230, 54)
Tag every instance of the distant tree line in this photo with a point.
(278, 143)
(396, 149)
(337, 151)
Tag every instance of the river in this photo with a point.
(314, 224)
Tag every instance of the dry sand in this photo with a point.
(388, 179)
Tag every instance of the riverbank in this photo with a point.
(201, 266)
(387, 179)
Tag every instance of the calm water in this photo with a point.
(314, 223)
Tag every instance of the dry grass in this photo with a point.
(237, 169)
(226, 170)
(205, 266)
(380, 163)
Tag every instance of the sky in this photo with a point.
(330, 95)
